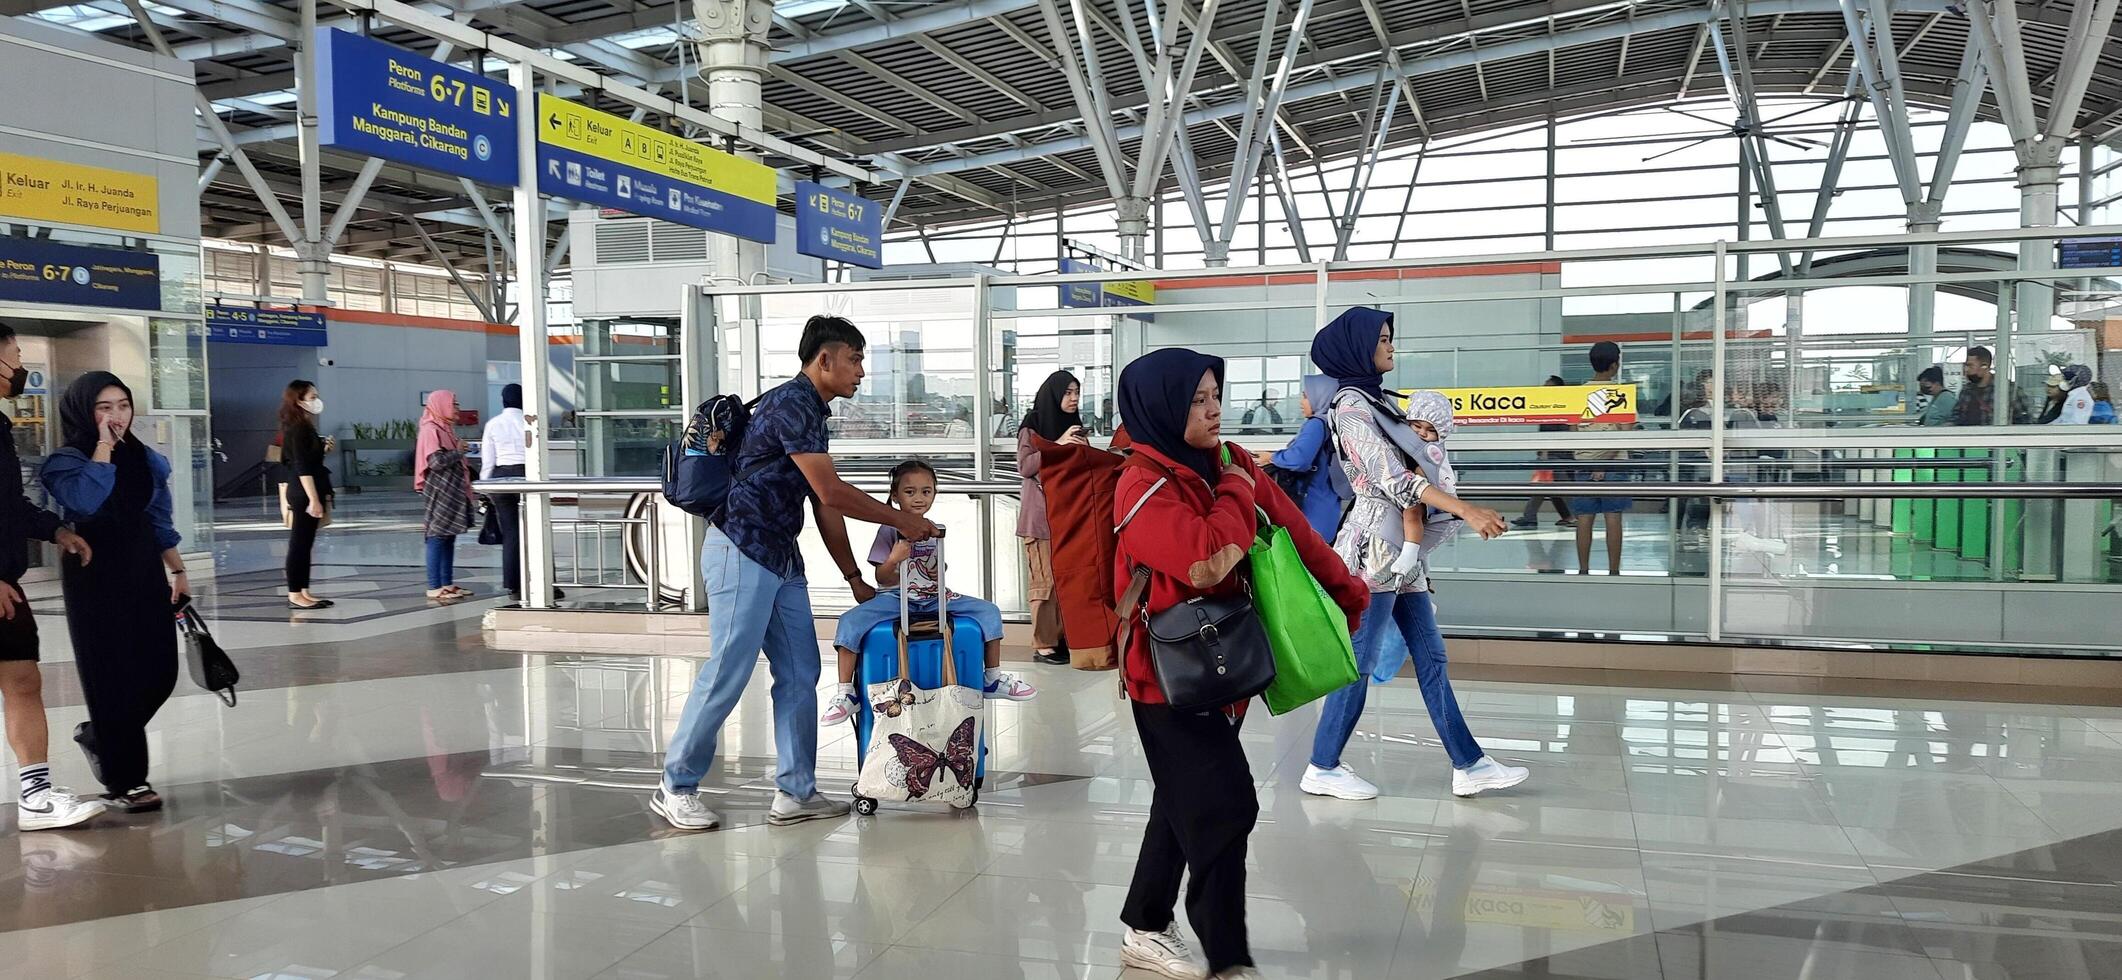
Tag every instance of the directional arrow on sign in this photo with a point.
(554, 121)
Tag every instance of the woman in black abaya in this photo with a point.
(115, 491)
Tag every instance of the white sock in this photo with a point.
(36, 779)
(992, 673)
(849, 692)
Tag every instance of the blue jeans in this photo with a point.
(1417, 622)
(441, 561)
(857, 622)
(750, 609)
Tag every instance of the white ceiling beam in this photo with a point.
(1447, 61)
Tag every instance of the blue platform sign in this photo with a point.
(381, 100)
(34, 270)
(276, 328)
(837, 225)
(598, 158)
(1094, 295)
(2088, 253)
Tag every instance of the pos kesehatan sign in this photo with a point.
(383, 101)
(837, 225)
(598, 158)
(1560, 404)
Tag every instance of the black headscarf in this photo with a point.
(512, 396)
(77, 429)
(1157, 394)
(1046, 417)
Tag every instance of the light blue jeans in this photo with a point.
(1412, 616)
(750, 609)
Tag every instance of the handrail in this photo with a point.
(1486, 491)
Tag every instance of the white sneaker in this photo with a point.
(1006, 686)
(787, 809)
(54, 808)
(1745, 541)
(842, 707)
(1340, 782)
(1486, 774)
(1164, 953)
(684, 810)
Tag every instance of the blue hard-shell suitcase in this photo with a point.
(924, 657)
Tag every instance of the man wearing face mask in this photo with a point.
(43, 807)
(1977, 404)
(1939, 410)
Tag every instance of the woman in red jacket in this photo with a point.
(1191, 533)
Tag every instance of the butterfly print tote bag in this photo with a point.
(924, 743)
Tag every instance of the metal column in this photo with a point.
(312, 255)
(733, 57)
(531, 343)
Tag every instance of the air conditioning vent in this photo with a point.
(622, 242)
(679, 243)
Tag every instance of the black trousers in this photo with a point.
(1202, 813)
(301, 540)
(508, 512)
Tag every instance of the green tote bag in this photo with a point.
(1308, 632)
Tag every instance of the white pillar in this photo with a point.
(1133, 223)
(312, 253)
(531, 342)
(1922, 296)
(733, 59)
(2040, 184)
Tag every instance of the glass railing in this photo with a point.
(1782, 487)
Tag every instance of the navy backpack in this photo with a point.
(697, 473)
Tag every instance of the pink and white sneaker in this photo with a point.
(841, 708)
(1008, 687)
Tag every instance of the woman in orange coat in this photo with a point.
(1191, 532)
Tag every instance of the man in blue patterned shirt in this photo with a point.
(757, 596)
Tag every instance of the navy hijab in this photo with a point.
(1157, 394)
(1347, 350)
(511, 396)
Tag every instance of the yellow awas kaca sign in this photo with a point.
(1570, 404)
(36, 189)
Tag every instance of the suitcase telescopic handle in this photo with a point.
(906, 616)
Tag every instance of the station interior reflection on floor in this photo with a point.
(392, 797)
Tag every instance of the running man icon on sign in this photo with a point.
(1604, 401)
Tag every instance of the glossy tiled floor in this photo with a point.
(393, 798)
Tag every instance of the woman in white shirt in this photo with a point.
(501, 453)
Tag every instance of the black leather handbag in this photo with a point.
(490, 524)
(208, 663)
(1210, 651)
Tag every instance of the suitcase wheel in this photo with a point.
(865, 806)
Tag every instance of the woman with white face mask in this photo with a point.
(309, 486)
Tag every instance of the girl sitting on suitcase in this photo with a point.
(913, 567)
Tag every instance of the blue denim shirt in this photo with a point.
(765, 510)
(80, 485)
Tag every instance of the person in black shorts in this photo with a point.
(42, 806)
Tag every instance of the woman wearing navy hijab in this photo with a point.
(1357, 350)
(1186, 506)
